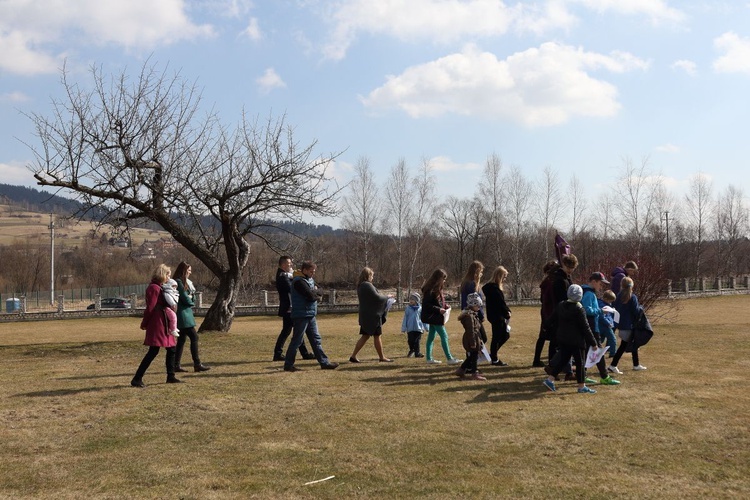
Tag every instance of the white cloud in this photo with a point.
(537, 87)
(16, 174)
(736, 58)
(269, 80)
(668, 148)
(30, 30)
(253, 30)
(445, 164)
(657, 11)
(14, 97)
(687, 66)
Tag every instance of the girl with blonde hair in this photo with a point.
(498, 313)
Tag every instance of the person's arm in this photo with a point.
(304, 289)
(583, 324)
(504, 309)
(590, 304)
(152, 298)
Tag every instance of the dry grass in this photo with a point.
(72, 426)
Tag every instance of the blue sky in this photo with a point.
(575, 85)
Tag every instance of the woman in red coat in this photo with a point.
(155, 323)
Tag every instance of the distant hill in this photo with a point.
(34, 200)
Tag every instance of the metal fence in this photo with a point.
(42, 298)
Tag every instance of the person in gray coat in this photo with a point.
(372, 309)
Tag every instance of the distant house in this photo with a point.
(145, 251)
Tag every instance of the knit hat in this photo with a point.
(474, 300)
(415, 297)
(575, 293)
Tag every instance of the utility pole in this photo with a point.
(52, 260)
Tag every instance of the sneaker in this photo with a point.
(586, 390)
(460, 372)
(614, 369)
(418, 355)
(590, 381)
(455, 361)
(478, 376)
(410, 355)
(549, 385)
(639, 368)
(609, 381)
(433, 361)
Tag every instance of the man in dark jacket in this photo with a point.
(561, 281)
(304, 310)
(284, 287)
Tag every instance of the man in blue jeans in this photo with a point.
(304, 310)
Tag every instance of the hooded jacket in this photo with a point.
(474, 333)
(570, 325)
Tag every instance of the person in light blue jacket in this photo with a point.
(412, 325)
(594, 314)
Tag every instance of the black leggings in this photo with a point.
(149, 357)
(500, 336)
(470, 363)
(621, 350)
(186, 333)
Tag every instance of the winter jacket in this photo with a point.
(497, 309)
(628, 311)
(431, 305)
(474, 333)
(590, 304)
(560, 283)
(304, 298)
(547, 297)
(155, 320)
(468, 288)
(185, 304)
(411, 321)
(284, 287)
(371, 307)
(570, 325)
(618, 274)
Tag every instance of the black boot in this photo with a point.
(136, 382)
(201, 368)
(171, 379)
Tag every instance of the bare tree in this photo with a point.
(398, 214)
(637, 208)
(518, 205)
(491, 193)
(698, 208)
(362, 206)
(731, 227)
(550, 203)
(578, 207)
(135, 150)
(419, 225)
(459, 219)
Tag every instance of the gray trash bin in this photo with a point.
(12, 305)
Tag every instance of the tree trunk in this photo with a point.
(221, 313)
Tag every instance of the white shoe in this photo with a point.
(639, 368)
(455, 361)
(614, 369)
(433, 361)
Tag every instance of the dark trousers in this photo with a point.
(413, 339)
(286, 329)
(500, 336)
(621, 350)
(540, 345)
(470, 363)
(149, 357)
(562, 357)
(187, 333)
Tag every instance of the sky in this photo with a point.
(578, 86)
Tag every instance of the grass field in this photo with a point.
(72, 427)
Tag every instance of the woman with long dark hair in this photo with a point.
(186, 319)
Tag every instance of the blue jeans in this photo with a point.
(609, 336)
(304, 326)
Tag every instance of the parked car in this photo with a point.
(112, 303)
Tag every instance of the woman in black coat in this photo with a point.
(372, 309)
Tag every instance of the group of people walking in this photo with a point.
(573, 318)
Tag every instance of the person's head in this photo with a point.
(414, 299)
(550, 266)
(499, 275)
(569, 263)
(365, 275)
(474, 301)
(631, 268)
(183, 271)
(575, 293)
(285, 263)
(609, 296)
(435, 282)
(474, 273)
(626, 289)
(308, 268)
(596, 280)
(161, 274)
